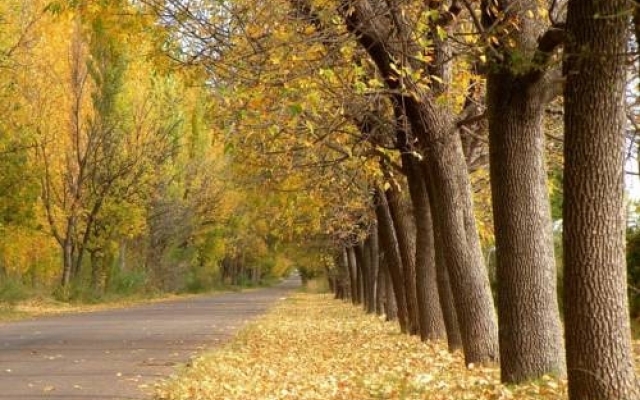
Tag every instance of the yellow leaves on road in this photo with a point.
(313, 347)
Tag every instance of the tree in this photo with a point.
(391, 252)
(447, 302)
(431, 319)
(102, 147)
(402, 218)
(519, 82)
(385, 35)
(65, 180)
(599, 353)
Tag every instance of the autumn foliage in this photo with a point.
(313, 347)
(400, 149)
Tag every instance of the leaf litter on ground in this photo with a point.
(311, 346)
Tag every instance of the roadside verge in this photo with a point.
(313, 347)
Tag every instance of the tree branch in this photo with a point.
(553, 38)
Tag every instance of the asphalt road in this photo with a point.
(118, 354)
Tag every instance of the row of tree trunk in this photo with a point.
(421, 261)
(397, 271)
(235, 271)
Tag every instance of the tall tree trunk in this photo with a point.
(390, 303)
(528, 315)
(380, 283)
(76, 268)
(374, 266)
(366, 271)
(529, 319)
(67, 262)
(454, 340)
(432, 326)
(406, 246)
(393, 262)
(226, 269)
(360, 280)
(340, 260)
(76, 248)
(3, 269)
(238, 270)
(344, 257)
(362, 261)
(462, 256)
(353, 267)
(95, 272)
(597, 329)
(241, 271)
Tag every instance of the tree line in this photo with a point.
(386, 142)
(113, 179)
(405, 100)
(435, 269)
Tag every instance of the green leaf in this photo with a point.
(295, 109)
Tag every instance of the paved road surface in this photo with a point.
(117, 354)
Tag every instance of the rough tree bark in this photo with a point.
(362, 266)
(468, 277)
(390, 304)
(528, 315)
(454, 340)
(363, 260)
(530, 334)
(374, 266)
(597, 330)
(432, 326)
(393, 262)
(400, 214)
(380, 284)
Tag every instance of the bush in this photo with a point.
(195, 282)
(13, 291)
(120, 284)
(128, 283)
(307, 274)
(76, 291)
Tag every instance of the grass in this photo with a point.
(43, 305)
(313, 347)
(18, 301)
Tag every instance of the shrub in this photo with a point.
(13, 291)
